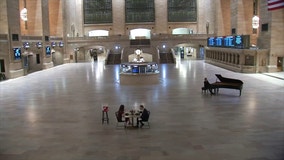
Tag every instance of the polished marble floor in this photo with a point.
(55, 114)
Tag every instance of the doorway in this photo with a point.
(2, 65)
(280, 64)
(2, 70)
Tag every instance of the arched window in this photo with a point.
(182, 31)
(140, 33)
(98, 33)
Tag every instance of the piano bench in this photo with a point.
(204, 90)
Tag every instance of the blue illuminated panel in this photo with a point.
(219, 41)
(47, 50)
(135, 69)
(239, 41)
(17, 53)
(211, 41)
(229, 41)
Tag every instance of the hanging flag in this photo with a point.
(275, 4)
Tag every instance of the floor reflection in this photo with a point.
(56, 114)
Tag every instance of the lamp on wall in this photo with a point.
(24, 15)
(255, 18)
(53, 44)
(26, 45)
(255, 22)
(38, 45)
(61, 44)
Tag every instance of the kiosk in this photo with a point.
(139, 72)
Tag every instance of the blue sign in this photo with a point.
(48, 51)
(239, 41)
(17, 53)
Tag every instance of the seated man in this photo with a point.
(207, 85)
(144, 116)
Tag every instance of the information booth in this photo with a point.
(139, 73)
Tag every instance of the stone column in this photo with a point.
(118, 16)
(14, 31)
(47, 60)
(161, 14)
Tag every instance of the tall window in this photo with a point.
(97, 11)
(182, 11)
(139, 11)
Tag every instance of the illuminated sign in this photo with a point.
(238, 41)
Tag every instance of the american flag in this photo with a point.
(275, 4)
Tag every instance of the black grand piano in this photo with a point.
(228, 83)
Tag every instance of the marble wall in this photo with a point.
(273, 38)
(56, 18)
(3, 18)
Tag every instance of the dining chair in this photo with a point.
(146, 122)
(119, 121)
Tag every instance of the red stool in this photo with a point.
(105, 114)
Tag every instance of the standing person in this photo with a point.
(207, 85)
(144, 116)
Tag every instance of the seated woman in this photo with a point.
(121, 113)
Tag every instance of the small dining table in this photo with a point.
(132, 115)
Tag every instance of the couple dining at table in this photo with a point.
(129, 116)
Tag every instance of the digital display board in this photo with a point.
(61, 44)
(211, 41)
(135, 69)
(39, 44)
(219, 41)
(238, 41)
(229, 41)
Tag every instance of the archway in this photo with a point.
(187, 51)
(91, 53)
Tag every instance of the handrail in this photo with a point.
(153, 37)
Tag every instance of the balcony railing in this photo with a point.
(153, 36)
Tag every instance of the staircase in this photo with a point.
(113, 59)
(166, 58)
